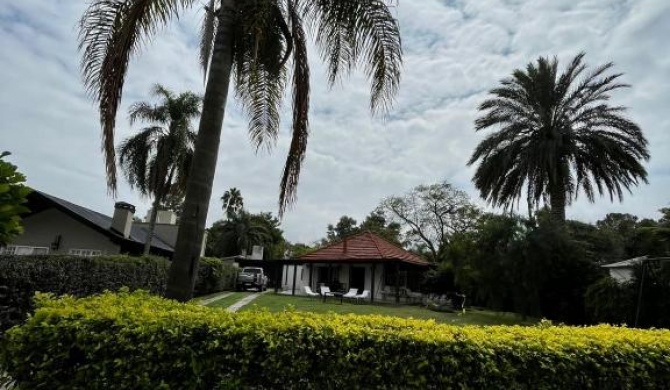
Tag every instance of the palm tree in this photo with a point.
(233, 202)
(157, 160)
(252, 41)
(239, 234)
(557, 134)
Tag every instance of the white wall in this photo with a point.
(621, 275)
(302, 277)
(343, 275)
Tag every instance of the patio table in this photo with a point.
(335, 295)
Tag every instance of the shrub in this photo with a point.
(22, 276)
(214, 275)
(139, 341)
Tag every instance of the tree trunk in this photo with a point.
(557, 200)
(184, 268)
(152, 226)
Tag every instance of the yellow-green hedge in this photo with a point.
(138, 341)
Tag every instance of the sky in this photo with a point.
(454, 52)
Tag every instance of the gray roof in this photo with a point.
(104, 223)
(630, 263)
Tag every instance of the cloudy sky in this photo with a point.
(454, 52)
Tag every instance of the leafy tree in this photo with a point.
(157, 160)
(429, 215)
(251, 43)
(241, 231)
(298, 249)
(13, 195)
(346, 226)
(377, 223)
(557, 134)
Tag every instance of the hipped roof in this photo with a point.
(363, 247)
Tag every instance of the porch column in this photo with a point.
(372, 283)
(397, 282)
(295, 273)
(311, 267)
(278, 266)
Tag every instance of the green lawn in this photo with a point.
(229, 300)
(276, 303)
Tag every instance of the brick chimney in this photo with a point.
(122, 221)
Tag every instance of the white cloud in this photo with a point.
(454, 52)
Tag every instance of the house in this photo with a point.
(622, 271)
(364, 261)
(56, 226)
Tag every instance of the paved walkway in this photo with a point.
(243, 302)
(207, 301)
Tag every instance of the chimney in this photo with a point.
(122, 221)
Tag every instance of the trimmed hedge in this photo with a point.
(139, 341)
(22, 276)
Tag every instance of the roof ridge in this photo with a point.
(375, 242)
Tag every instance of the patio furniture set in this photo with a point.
(325, 293)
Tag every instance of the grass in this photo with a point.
(229, 300)
(276, 303)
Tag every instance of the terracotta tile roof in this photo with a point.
(363, 247)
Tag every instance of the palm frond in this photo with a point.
(365, 31)
(110, 32)
(260, 77)
(298, 148)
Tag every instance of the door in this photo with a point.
(357, 278)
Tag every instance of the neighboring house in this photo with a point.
(622, 271)
(56, 226)
(364, 261)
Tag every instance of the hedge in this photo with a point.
(22, 276)
(139, 341)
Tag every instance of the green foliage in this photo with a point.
(22, 276)
(135, 340)
(555, 135)
(241, 231)
(610, 302)
(12, 197)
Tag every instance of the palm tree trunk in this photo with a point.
(184, 268)
(557, 200)
(152, 226)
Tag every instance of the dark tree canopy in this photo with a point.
(556, 134)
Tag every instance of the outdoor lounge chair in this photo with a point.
(362, 296)
(309, 292)
(325, 291)
(351, 294)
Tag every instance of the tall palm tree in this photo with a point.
(232, 201)
(157, 160)
(556, 134)
(252, 43)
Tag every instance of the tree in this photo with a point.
(157, 160)
(346, 226)
(237, 235)
(252, 41)
(556, 135)
(377, 223)
(13, 195)
(429, 215)
(233, 202)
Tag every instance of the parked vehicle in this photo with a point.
(251, 277)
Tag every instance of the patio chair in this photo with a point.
(351, 294)
(309, 292)
(362, 296)
(325, 291)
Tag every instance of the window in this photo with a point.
(85, 252)
(21, 250)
